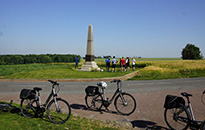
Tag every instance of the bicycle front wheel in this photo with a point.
(59, 111)
(125, 104)
(176, 118)
(28, 107)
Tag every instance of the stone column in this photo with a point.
(90, 51)
(89, 57)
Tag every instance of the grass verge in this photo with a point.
(12, 120)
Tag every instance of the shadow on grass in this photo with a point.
(147, 125)
(83, 107)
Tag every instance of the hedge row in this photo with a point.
(27, 59)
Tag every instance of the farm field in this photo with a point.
(169, 69)
(148, 68)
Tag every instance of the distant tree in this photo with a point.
(106, 56)
(98, 57)
(191, 52)
(18, 59)
(32, 58)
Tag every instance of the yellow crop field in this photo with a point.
(171, 69)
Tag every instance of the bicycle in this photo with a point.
(124, 103)
(58, 109)
(203, 97)
(178, 116)
(7, 106)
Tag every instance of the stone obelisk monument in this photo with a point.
(89, 57)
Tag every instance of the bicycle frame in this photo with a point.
(52, 93)
(119, 90)
(192, 122)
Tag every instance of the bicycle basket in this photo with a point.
(173, 102)
(27, 94)
(92, 90)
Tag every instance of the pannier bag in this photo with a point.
(92, 90)
(173, 102)
(27, 94)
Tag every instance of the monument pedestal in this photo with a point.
(88, 65)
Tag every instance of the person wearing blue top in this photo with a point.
(76, 62)
(107, 61)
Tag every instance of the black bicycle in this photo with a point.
(124, 103)
(58, 109)
(7, 106)
(178, 116)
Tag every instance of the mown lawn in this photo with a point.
(51, 71)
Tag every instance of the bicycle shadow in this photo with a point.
(83, 107)
(147, 125)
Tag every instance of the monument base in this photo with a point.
(88, 65)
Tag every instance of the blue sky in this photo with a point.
(146, 28)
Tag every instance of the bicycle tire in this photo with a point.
(28, 107)
(61, 116)
(175, 121)
(203, 98)
(121, 107)
(4, 107)
(94, 102)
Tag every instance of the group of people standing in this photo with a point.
(124, 64)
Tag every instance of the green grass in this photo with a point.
(51, 71)
(14, 121)
(149, 68)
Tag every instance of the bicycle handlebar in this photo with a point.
(53, 82)
(116, 80)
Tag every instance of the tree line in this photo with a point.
(32, 58)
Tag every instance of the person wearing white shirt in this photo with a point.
(133, 64)
(114, 62)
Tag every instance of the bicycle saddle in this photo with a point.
(186, 94)
(37, 89)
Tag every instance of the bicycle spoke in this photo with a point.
(125, 104)
(28, 107)
(94, 102)
(176, 118)
(61, 114)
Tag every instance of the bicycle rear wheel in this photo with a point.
(177, 118)
(94, 102)
(59, 111)
(28, 107)
(125, 104)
